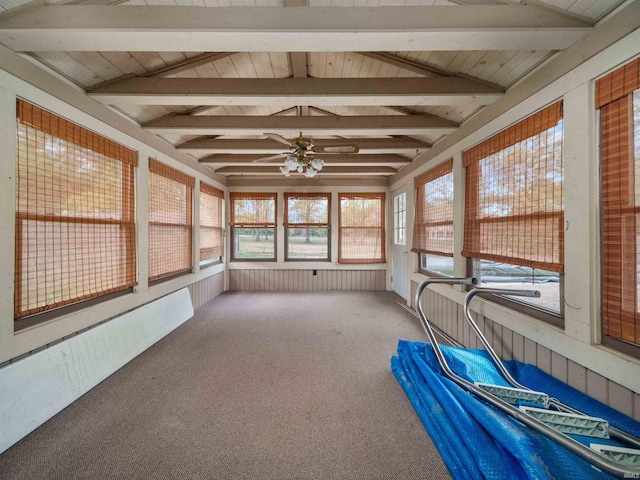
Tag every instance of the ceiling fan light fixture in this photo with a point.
(317, 164)
(285, 170)
(300, 157)
(291, 163)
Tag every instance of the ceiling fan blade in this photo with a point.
(278, 138)
(339, 149)
(268, 159)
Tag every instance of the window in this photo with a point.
(436, 264)
(361, 236)
(514, 208)
(400, 219)
(211, 238)
(618, 98)
(253, 220)
(307, 218)
(170, 219)
(433, 226)
(75, 226)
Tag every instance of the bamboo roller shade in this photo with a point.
(75, 230)
(307, 209)
(253, 209)
(361, 230)
(514, 207)
(433, 224)
(211, 239)
(170, 220)
(52, 124)
(620, 201)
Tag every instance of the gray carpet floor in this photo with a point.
(258, 385)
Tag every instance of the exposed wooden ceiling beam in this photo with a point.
(405, 64)
(480, 2)
(298, 60)
(264, 181)
(298, 64)
(296, 91)
(268, 29)
(287, 111)
(292, 126)
(271, 170)
(187, 64)
(251, 145)
(412, 111)
(419, 68)
(352, 159)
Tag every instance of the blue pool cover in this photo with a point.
(478, 441)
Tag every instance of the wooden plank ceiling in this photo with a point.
(392, 79)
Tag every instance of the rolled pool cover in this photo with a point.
(476, 440)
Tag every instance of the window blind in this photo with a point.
(307, 209)
(170, 219)
(514, 207)
(433, 225)
(618, 98)
(75, 225)
(361, 231)
(253, 209)
(211, 238)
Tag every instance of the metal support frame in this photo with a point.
(553, 402)
(595, 458)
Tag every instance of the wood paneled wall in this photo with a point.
(448, 316)
(206, 290)
(305, 280)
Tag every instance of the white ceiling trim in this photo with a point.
(290, 29)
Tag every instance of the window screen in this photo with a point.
(75, 230)
(361, 228)
(170, 203)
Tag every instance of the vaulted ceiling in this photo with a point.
(211, 77)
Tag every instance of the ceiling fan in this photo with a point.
(300, 157)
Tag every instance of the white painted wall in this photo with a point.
(75, 107)
(7, 210)
(38, 386)
(579, 339)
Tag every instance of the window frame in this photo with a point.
(381, 197)
(46, 123)
(400, 211)
(419, 243)
(160, 169)
(288, 225)
(500, 142)
(548, 316)
(206, 189)
(233, 196)
(432, 273)
(615, 122)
